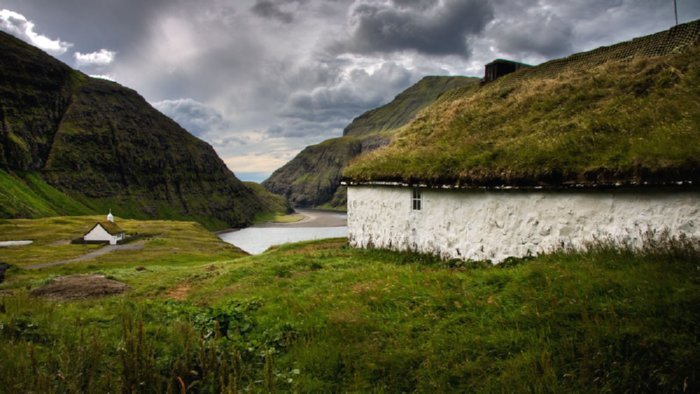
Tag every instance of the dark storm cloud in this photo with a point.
(575, 10)
(429, 27)
(272, 10)
(351, 96)
(543, 34)
(92, 25)
(193, 116)
(300, 128)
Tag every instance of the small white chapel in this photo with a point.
(106, 231)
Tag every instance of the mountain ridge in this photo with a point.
(312, 178)
(106, 147)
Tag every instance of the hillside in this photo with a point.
(322, 317)
(312, 178)
(27, 195)
(624, 114)
(272, 203)
(104, 147)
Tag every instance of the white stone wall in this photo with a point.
(100, 234)
(496, 224)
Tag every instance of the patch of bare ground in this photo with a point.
(180, 293)
(77, 287)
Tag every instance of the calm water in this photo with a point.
(5, 244)
(256, 240)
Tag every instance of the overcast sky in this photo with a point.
(262, 79)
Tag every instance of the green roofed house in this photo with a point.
(106, 231)
(601, 145)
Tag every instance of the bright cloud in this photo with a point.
(103, 76)
(197, 118)
(103, 57)
(254, 163)
(18, 25)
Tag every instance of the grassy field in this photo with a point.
(320, 316)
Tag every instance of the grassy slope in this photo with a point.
(623, 122)
(28, 195)
(320, 316)
(312, 178)
(274, 205)
(406, 105)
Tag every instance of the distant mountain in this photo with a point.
(312, 178)
(621, 115)
(65, 136)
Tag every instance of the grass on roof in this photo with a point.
(627, 122)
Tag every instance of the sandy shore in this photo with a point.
(313, 218)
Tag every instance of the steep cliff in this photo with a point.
(312, 178)
(104, 146)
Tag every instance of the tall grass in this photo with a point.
(323, 317)
(660, 246)
(46, 352)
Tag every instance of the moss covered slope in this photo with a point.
(27, 195)
(312, 178)
(626, 114)
(105, 146)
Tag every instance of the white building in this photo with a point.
(495, 224)
(107, 231)
(470, 219)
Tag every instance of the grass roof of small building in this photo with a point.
(627, 114)
(111, 227)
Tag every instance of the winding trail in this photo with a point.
(89, 256)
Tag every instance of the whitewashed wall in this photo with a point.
(494, 225)
(100, 234)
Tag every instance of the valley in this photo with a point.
(535, 231)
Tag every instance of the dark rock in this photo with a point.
(3, 267)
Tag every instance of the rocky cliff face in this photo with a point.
(312, 178)
(106, 146)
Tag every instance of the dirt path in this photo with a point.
(88, 256)
(76, 287)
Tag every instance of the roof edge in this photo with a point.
(576, 186)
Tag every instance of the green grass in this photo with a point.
(320, 316)
(629, 122)
(293, 218)
(27, 195)
(175, 240)
(271, 217)
(407, 105)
